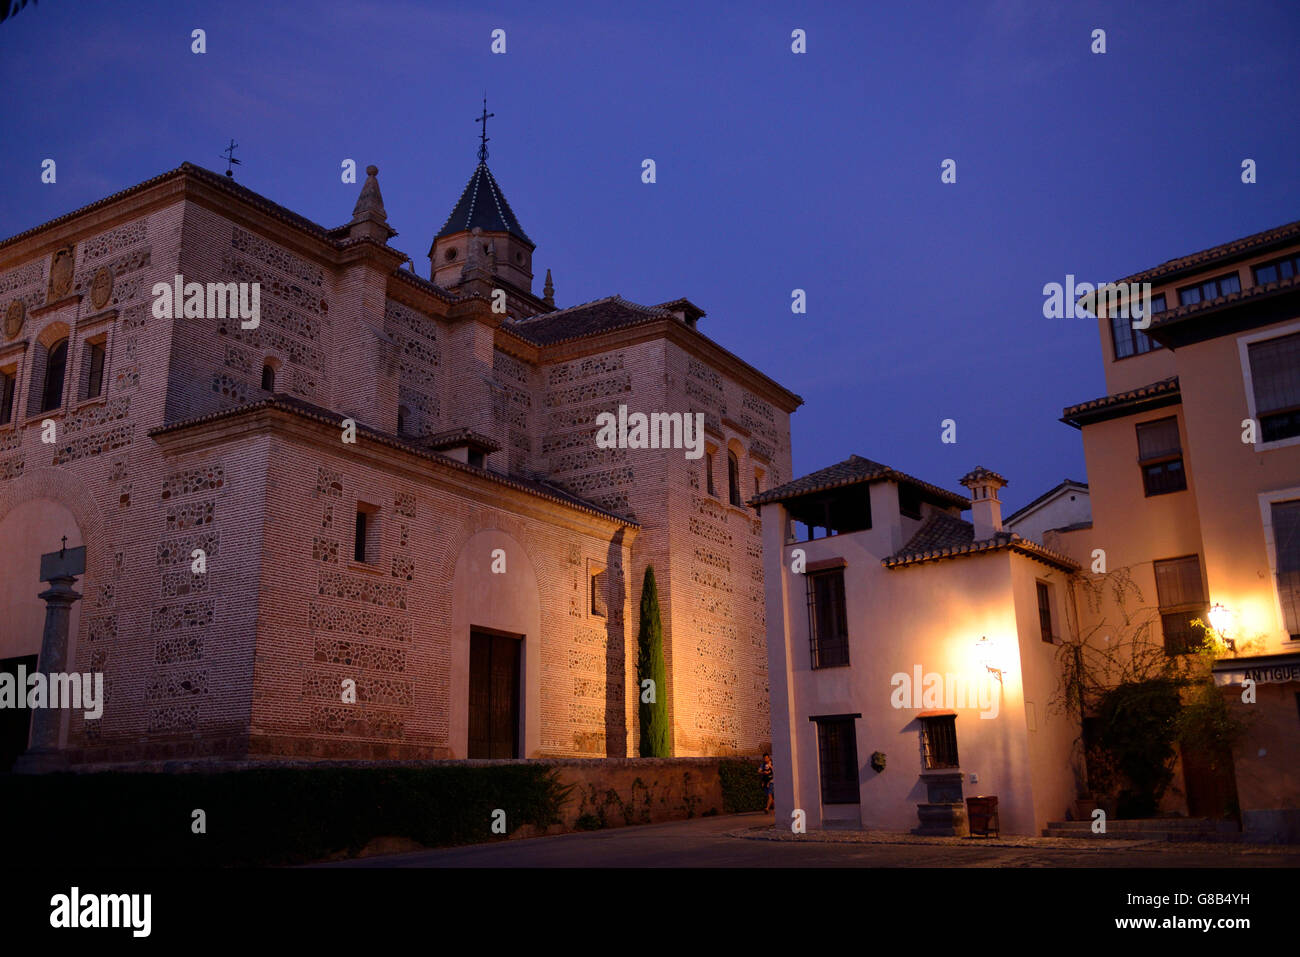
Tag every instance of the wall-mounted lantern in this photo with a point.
(1221, 621)
(984, 652)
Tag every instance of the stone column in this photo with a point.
(44, 753)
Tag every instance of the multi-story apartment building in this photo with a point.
(1193, 460)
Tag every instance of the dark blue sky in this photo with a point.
(775, 171)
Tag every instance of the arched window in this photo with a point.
(268, 377)
(733, 479)
(56, 365)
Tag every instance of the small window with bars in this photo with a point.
(1275, 379)
(837, 751)
(939, 741)
(827, 622)
(1160, 456)
(1181, 592)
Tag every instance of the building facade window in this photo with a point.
(1209, 290)
(1180, 590)
(8, 385)
(1134, 342)
(709, 452)
(365, 538)
(94, 365)
(598, 580)
(909, 501)
(733, 480)
(1275, 381)
(56, 367)
(939, 742)
(1045, 612)
(268, 378)
(1286, 540)
(827, 621)
(1160, 456)
(1286, 268)
(837, 752)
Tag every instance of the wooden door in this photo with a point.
(493, 695)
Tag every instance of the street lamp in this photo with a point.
(1221, 621)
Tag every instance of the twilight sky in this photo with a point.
(775, 171)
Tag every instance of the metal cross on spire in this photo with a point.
(483, 137)
(229, 154)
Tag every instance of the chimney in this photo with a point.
(985, 507)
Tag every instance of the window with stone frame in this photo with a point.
(8, 389)
(939, 742)
(1286, 542)
(598, 584)
(733, 480)
(93, 356)
(1275, 381)
(53, 377)
(365, 534)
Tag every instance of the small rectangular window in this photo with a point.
(1284, 268)
(939, 740)
(94, 369)
(909, 500)
(1181, 593)
(598, 605)
(1045, 612)
(1160, 456)
(709, 452)
(837, 750)
(827, 622)
(8, 383)
(365, 541)
(359, 541)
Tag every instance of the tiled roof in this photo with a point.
(586, 319)
(225, 183)
(483, 204)
(851, 471)
(1237, 248)
(946, 536)
(307, 410)
(461, 436)
(1156, 394)
(1251, 294)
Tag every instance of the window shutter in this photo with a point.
(1158, 439)
(1275, 373)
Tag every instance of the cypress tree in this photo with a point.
(655, 741)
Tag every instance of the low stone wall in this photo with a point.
(605, 792)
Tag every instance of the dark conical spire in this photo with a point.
(482, 204)
(548, 291)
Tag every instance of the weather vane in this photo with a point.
(483, 137)
(229, 154)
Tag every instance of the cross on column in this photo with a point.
(483, 137)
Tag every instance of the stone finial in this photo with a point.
(369, 218)
(548, 291)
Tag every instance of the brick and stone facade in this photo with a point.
(209, 435)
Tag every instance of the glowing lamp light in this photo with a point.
(984, 654)
(1220, 618)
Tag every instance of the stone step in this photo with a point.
(1154, 829)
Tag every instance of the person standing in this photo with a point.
(766, 775)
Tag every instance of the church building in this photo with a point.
(379, 481)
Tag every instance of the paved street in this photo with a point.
(747, 840)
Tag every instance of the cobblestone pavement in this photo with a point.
(748, 840)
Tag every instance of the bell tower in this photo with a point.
(482, 234)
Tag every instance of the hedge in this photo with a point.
(742, 788)
(266, 816)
